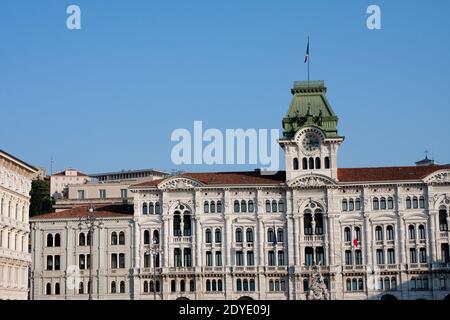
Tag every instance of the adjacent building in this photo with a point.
(60, 180)
(15, 185)
(367, 233)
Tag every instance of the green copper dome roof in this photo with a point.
(309, 107)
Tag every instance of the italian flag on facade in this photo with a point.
(355, 237)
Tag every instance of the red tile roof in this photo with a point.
(374, 174)
(104, 211)
(387, 173)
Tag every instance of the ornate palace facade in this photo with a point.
(354, 233)
(15, 185)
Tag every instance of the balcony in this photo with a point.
(213, 269)
(316, 237)
(417, 266)
(182, 239)
(354, 268)
(386, 266)
(310, 268)
(181, 269)
(276, 268)
(443, 234)
(244, 269)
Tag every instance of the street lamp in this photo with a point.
(154, 250)
(91, 222)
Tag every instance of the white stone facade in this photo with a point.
(373, 233)
(15, 185)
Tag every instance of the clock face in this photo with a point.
(311, 142)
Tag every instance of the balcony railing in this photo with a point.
(354, 267)
(244, 268)
(181, 269)
(315, 237)
(182, 239)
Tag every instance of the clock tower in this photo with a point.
(310, 138)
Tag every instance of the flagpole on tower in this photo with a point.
(308, 61)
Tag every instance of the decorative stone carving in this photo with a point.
(439, 177)
(317, 287)
(179, 183)
(312, 181)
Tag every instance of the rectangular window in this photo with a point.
(239, 258)
(80, 194)
(391, 256)
(423, 255)
(250, 258)
(281, 258)
(358, 257)
(122, 260)
(57, 262)
(380, 256)
(81, 262)
(114, 261)
(412, 255)
(271, 258)
(102, 193)
(123, 193)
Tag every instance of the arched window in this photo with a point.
(327, 163)
(49, 240)
(344, 205)
(243, 206)
(214, 285)
(238, 285)
(378, 233)
(358, 204)
(81, 288)
(88, 239)
(122, 286)
(213, 207)
(351, 205)
(443, 226)
(113, 238)
(177, 224)
(295, 164)
(206, 207)
(182, 286)
(219, 206)
(144, 208)
(271, 285)
(280, 235)
(48, 289)
(318, 219)
(283, 285)
(318, 163)
(389, 233)
(146, 237)
(267, 205)
(238, 235)
(151, 208)
(348, 283)
(307, 222)
(383, 203)
(415, 203)
(394, 283)
(173, 286)
(408, 203)
(360, 284)
(249, 235)
(270, 235)
(354, 285)
(57, 240)
(192, 285)
(219, 285)
(347, 234)
(57, 288)
(390, 203)
(82, 239)
(145, 286)
(305, 164)
(252, 285)
(152, 286)
(157, 208)
(422, 232)
(155, 236)
(236, 206)
(251, 206)
(218, 236)
(422, 202)
(311, 163)
(274, 206)
(411, 232)
(376, 204)
(208, 285)
(113, 287)
(245, 284)
(208, 237)
(358, 233)
(281, 206)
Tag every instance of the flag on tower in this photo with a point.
(307, 52)
(274, 236)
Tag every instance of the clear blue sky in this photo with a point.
(108, 96)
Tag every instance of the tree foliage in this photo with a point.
(40, 202)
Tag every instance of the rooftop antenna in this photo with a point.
(51, 165)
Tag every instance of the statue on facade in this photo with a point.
(317, 289)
